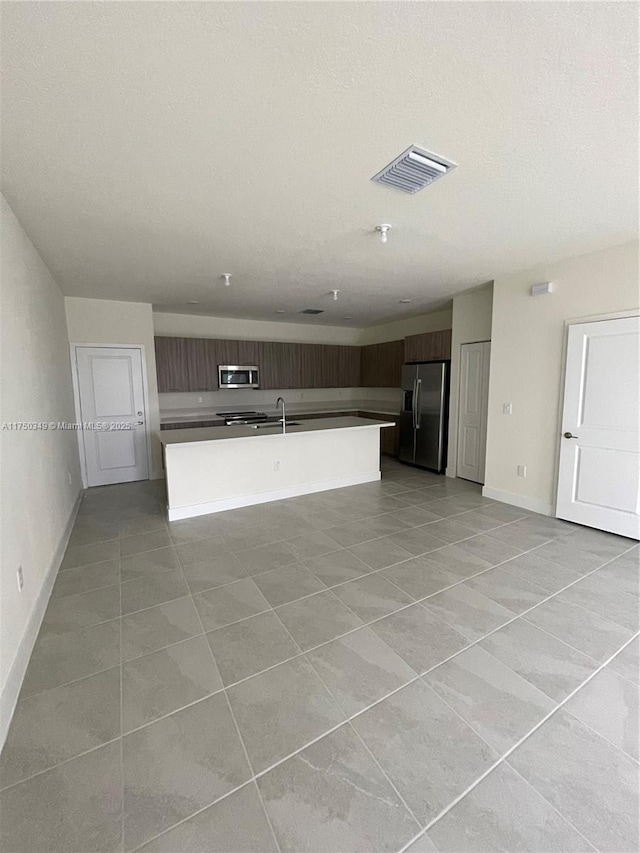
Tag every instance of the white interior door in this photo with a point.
(473, 406)
(599, 476)
(111, 393)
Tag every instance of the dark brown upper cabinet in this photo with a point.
(348, 367)
(429, 346)
(381, 364)
(191, 364)
(201, 374)
(279, 365)
(248, 353)
(227, 352)
(171, 364)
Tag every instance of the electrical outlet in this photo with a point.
(69, 478)
(507, 409)
(276, 465)
(522, 470)
(199, 399)
(20, 579)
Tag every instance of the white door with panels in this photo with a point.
(472, 410)
(599, 472)
(112, 408)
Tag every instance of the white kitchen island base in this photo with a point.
(214, 469)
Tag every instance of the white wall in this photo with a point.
(194, 326)
(39, 469)
(104, 321)
(527, 352)
(470, 323)
(432, 322)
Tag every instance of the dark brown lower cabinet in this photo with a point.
(389, 436)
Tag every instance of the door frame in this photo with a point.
(74, 347)
(590, 318)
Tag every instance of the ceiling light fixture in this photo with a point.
(348, 317)
(279, 311)
(334, 293)
(226, 277)
(193, 302)
(403, 301)
(383, 231)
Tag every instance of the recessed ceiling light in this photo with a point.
(194, 302)
(403, 301)
(349, 317)
(279, 311)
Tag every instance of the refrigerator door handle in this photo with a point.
(417, 397)
(413, 403)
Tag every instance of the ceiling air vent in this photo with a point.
(414, 170)
(312, 311)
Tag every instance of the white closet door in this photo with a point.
(111, 390)
(472, 418)
(599, 472)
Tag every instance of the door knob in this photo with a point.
(569, 435)
(140, 423)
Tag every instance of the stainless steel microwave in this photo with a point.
(238, 376)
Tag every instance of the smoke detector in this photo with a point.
(414, 170)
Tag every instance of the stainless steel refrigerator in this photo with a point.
(424, 416)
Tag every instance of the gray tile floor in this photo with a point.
(333, 673)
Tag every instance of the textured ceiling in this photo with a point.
(149, 147)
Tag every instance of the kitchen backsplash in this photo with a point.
(252, 399)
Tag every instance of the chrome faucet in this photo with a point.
(284, 414)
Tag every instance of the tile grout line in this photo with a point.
(357, 735)
(242, 743)
(550, 804)
(380, 570)
(314, 648)
(404, 607)
(348, 720)
(470, 644)
(174, 544)
(112, 740)
(503, 758)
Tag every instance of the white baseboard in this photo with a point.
(265, 497)
(12, 685)
(522, 501)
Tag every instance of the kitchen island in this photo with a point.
(212, 469)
